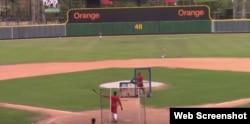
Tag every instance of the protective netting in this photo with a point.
(147, 84)
(127, 89)
(105, 106)
(134, 108)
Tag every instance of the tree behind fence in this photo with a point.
(32, 11)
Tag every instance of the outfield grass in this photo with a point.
(123, 47)
(70, 91)
(13, 116)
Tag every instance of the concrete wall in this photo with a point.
(45, 31)
(232, 26)
(32, 32)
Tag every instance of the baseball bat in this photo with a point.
(96, 92)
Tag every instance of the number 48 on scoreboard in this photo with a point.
(138, 26)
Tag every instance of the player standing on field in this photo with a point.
(114, 100)
(139, 81)
(93, 121)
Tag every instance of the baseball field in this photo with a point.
(49, 80)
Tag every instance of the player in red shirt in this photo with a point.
(139, 81)
(114, 100)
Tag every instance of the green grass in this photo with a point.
(13, 116)
(72, 91)
(190, 87)
(123, 47)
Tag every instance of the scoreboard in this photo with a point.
(97, 15)
(138, 20)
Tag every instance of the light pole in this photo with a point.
(18, 12)
(243, 9)
(234, 8)
(6, 13)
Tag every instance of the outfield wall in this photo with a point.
(20, 32)
(230, 26)
(128, 28)
(131, 28)
(138, 20)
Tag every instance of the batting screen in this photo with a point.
(128, 89)
(105, 106)
(133, 112)
(146, 74)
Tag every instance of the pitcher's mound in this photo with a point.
(117, 84)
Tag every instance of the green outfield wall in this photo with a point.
(130, 21)
(130, 28)
(138, 20)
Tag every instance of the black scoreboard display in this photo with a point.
(139, 14)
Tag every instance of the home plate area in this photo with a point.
(134, 108)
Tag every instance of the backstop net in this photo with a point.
(134, 110)
(130, 89)
(146, 73)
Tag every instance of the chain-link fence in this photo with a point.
(18, 12)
